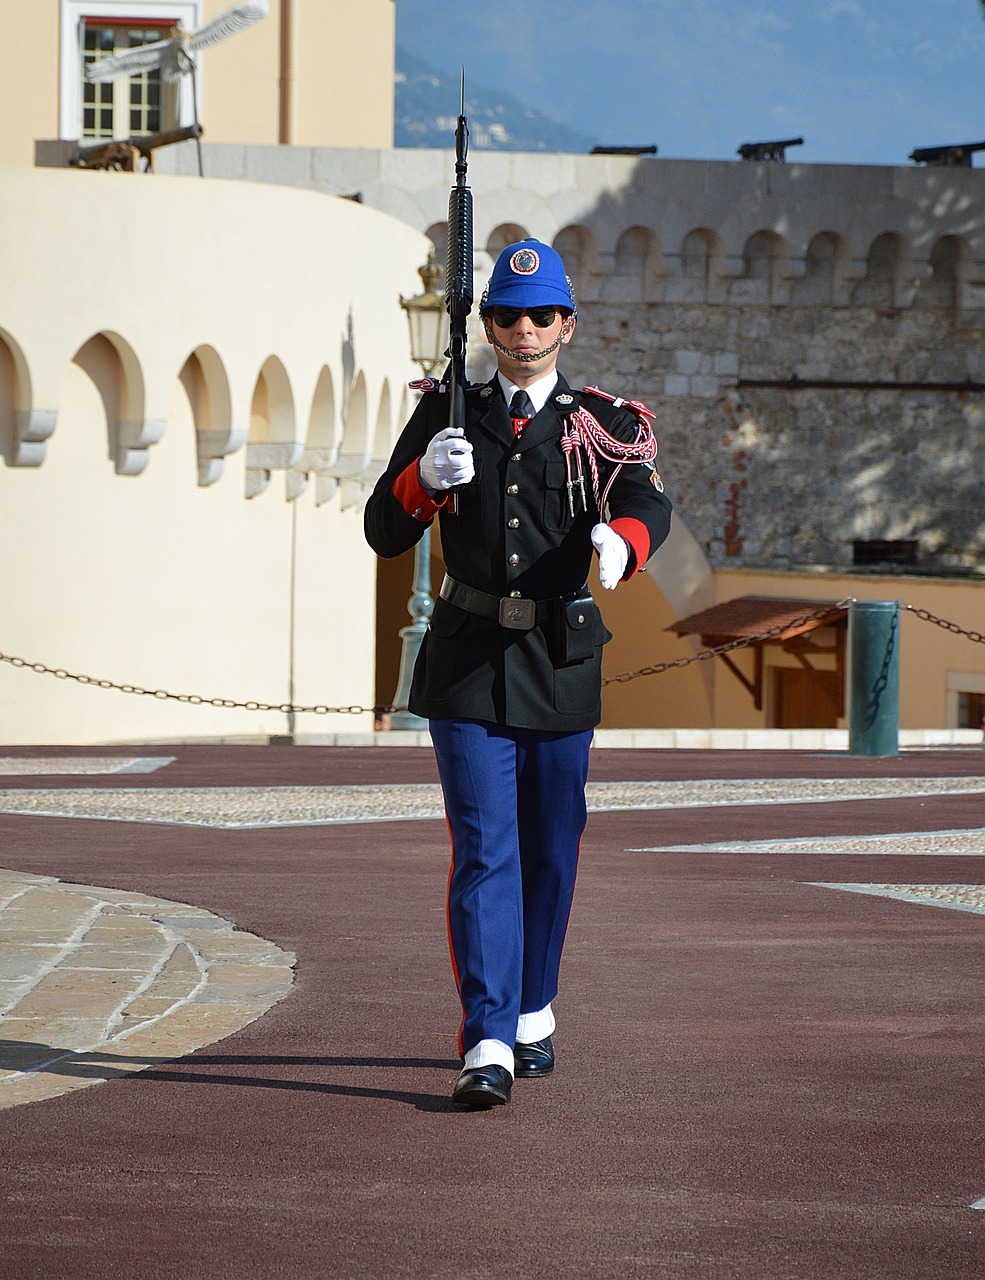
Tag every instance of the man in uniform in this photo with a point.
(509, 674)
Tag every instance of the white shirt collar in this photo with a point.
(539, 391)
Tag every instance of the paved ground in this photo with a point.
(770, 1034)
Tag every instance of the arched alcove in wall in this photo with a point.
(322, 443)
(272, 416)
(437, 233)
(354, 448)
(637, 267)
(765, 260)
(323, 427)
(889, 269)
(272, 443)
(826, 266)
(702, 266)
(112, 365)
(361, 468)
(8, 399)
(15, 404)
(950, 263)
(206, 384)
(506, 233)
(579, 253)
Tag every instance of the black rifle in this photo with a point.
(458, 276)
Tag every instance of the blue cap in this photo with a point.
(528, 274)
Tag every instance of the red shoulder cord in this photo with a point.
(585, 437)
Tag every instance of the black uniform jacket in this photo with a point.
(513, 533)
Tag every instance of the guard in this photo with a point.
(509, 674)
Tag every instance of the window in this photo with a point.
(884, 551)
(971, 710)
(133, 105)
(966, 699)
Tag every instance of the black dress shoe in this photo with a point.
(533, 1060)
(482, 1087)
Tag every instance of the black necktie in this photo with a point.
(521, 410)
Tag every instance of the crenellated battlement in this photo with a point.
(811, 335)
(650, 230)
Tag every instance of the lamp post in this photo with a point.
(428, 342)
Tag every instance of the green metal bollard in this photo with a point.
(873, 682)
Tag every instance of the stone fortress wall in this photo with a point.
(810, 335)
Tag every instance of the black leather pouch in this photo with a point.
(574, 634)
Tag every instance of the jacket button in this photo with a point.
(515, 595)
(513, 488)
(514, 523)
(514, 559)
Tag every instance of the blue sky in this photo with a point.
(863, 81)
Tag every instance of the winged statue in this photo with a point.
(174, 56)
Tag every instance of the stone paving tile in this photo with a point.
(51, 766)
(121, 982)
(968, 842)
(244, 807)
(957, 897)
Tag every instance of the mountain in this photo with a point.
(426, 103)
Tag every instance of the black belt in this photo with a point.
(514, 612)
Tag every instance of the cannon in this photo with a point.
(122, 154)
(624, 151)
(775, 151)
(958, 153)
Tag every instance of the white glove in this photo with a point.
(447, 461)
(613, 555)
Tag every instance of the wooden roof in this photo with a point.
(752, 615)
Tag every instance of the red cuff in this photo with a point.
(413, 497)
(637, 535)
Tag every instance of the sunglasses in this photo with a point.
(506, 317)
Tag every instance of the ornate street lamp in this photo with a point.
(428, 343)
(426, 317)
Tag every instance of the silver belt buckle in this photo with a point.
(517, 613)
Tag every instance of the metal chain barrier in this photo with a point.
(193, 698)
(742, 643)
(319, 709)
(953, 627)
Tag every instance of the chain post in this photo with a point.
(873, 677)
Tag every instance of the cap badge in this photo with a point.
(525, 262)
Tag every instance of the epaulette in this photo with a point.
(635, 406)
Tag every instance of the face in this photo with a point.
(524, 350)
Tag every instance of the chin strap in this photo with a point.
(527, 356)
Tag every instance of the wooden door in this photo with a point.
(805, 699)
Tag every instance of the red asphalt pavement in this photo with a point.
(758, 1078)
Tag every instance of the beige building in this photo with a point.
(200, 379)
(311, 73)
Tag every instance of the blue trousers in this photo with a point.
(515, 803)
